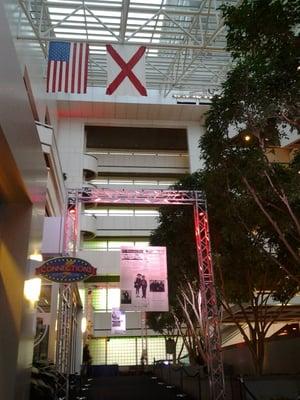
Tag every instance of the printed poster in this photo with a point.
(118, 321)
(143, 279)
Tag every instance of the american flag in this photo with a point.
(67, 67)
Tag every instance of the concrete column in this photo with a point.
(71, 142)
(194, 132)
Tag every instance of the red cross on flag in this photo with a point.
(126, 70)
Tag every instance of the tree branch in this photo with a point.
(270, 219)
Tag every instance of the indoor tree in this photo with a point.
(253, 204)
(247, 278)
(257, 244)
(257, 107)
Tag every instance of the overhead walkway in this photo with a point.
(132, 387)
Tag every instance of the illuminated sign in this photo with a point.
(66, 269)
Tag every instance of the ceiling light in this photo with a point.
(32, 289)
(83, 324)
(36, 257)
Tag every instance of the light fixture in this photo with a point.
(247, 138)
(32, 289)
(83, 324)
(36, 257)
(206, 93)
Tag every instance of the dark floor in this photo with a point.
(132, 387)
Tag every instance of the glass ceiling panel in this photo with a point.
(185, 39)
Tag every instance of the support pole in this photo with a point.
(64, 339)
(144, 338)
(209, 307)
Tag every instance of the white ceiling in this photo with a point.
(131, 111)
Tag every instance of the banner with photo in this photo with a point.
(143, 279)
(118, 321)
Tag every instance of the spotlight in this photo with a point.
(247, 138)
(36, 257)
(83, 324)
(32, 289)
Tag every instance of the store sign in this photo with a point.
(66, 269)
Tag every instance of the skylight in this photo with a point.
(185, 39)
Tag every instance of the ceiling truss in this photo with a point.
(185, 39)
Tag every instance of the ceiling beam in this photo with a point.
(123, 22)
(170, 10)
(148, 45)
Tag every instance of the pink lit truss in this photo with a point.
(210, 314)
(145, 197)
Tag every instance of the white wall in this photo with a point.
(22, 193)
(71, 142)
(122, 226)
(135, 163)
(106, 262)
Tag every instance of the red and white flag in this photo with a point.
(67, 67)
(126, 70)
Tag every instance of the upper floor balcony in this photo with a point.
(139, 162)
(56, 192)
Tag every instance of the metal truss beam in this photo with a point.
(161, 45)
(209, 306)
(153, 18)
(123, 22)
(191, 66)
(64, 335)
(34, 28)
(185, 41)
(172, 10)
(187, 33)
(143, 197)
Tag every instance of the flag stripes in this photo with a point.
(67, 67)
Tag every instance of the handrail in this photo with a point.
(241, 380)
(178, 368)
(245, 392)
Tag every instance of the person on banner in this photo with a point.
(138, 284)
(144, 286)
(125, 297)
